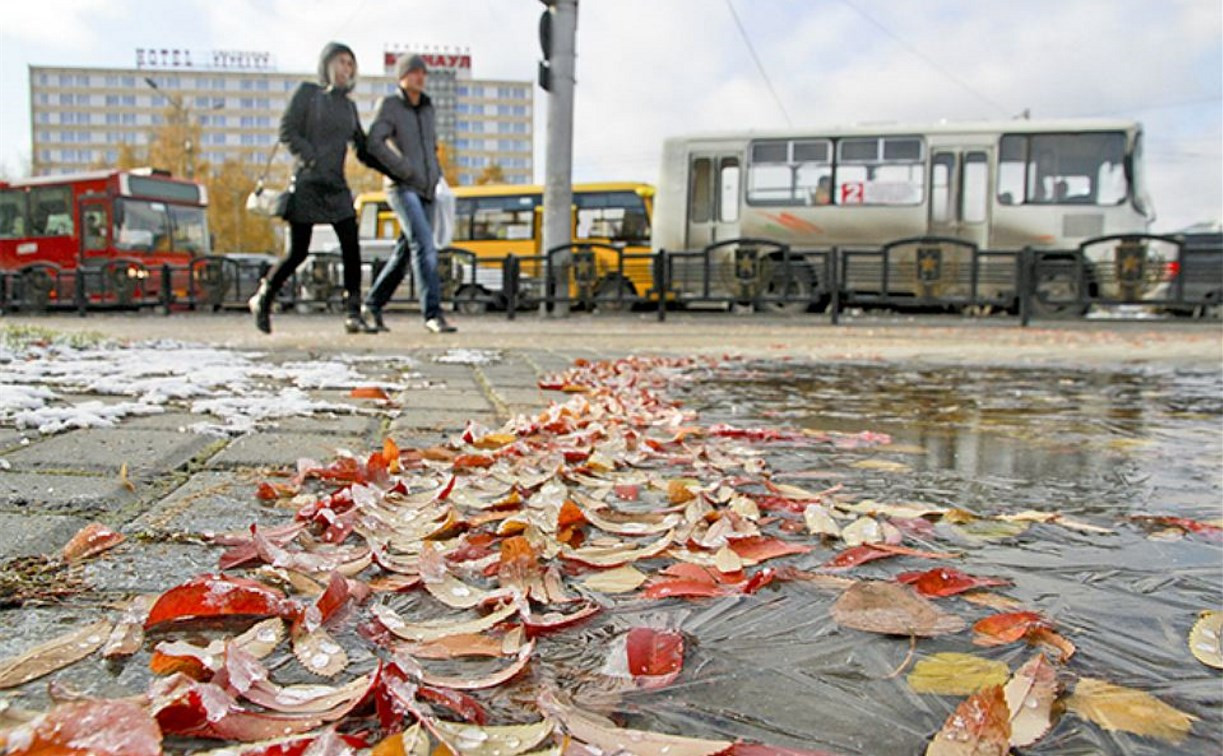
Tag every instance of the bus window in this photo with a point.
(790, 172)
(51, 211)
(974, 187)
(93, 218)
(728, 194)
(141, 226)
(880, 171)
(464, 209)
(616, 216)
(1064, 169)
(700, 196)
(1012, 159)
(940, 186)
(12, 214)
(190, 229)
(503, 218)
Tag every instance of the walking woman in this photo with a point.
(317, 127)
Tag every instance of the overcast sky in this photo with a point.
(648, 69)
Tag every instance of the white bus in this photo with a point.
(997, 185)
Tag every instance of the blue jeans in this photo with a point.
(417, 239)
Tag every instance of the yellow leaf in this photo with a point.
(504, 740)
(1204, 639)
(954, 674)
(55, 654)
(618, 580)
(1114, 707)
(726, 560)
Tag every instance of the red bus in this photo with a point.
(114, 229)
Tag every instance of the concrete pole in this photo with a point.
(558, 165)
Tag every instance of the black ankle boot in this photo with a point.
(260, 306)
(354, 323)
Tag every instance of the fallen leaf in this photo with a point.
(980, 726)
(1029, 697)
(55, 654)
(87, 728)
(369, 392)
(1114, 707)
(946, 581)
(616, 580)
(458, 682)
(435, 629)
(655, 657)
(892, 609)
(504, 740)
(128, 633)
(124, 480)
(756, 549)
(1007, 627)
(882, 465)
(411, 742)
(992, 600)
(217, 596)
(955, 674)
(726, 560)
(89, 541)
(1204, 639)
(819, 521)
(602, 734)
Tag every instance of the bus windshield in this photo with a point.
(143, 226)
(617, 216)
(1062, 169)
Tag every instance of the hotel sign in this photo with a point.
(234, 60)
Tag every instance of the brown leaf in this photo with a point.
(89, 541)
(128, 634)
(980, 726)
(53, 655)
(892, 609)
(1029, 697)
(1114, 707)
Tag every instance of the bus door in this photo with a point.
(715, 178)
(959, 194)
(94, 212)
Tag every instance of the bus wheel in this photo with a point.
(36, 285)
(792, 296)
(473, 300)
(1057, 294)
(615, 294)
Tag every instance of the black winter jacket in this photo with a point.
(317, 126)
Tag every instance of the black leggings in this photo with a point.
(299, 248)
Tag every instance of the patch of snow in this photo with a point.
(469, 357)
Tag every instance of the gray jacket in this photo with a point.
(404, 138)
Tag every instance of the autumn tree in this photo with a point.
(233, 228)
(492, 174)
(175, 144)
(450, 167)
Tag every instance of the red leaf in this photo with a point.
(625, 491)
(946, 581)
(88, 728)
(979, 725)
(655, 657)
(369, 392)
(218, 596)
(469, 461)
(760, 548)
(457, 701)
(1007, 627)
(856, 555)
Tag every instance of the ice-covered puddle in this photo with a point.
(49, 385)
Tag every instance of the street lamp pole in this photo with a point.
(183, 117)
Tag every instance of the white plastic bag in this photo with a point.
(443, 214)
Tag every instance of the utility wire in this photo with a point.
(760, 66)
(927, 59)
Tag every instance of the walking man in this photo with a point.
(404, 138)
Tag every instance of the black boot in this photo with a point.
(373, 316)
(354, 323)
(261, 305)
